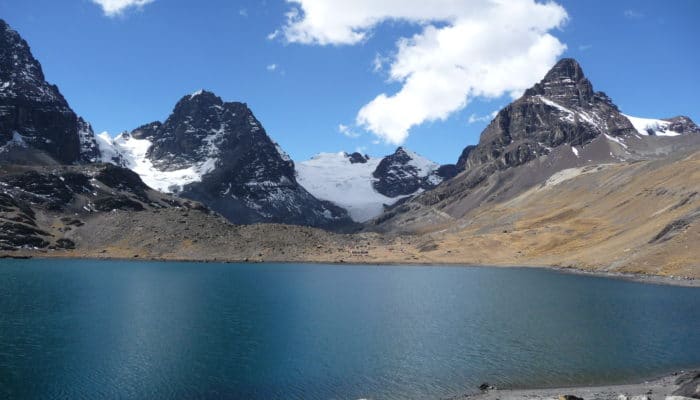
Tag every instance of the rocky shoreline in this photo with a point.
(677, 386)
(633, 277)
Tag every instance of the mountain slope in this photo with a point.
(218, 153)
(559, 123)
(636, 217)
(640, 217)
(366, 186)
(36, 122)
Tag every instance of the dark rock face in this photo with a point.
(59, 190)
(683, 125)
(52, 190)
(249, 178)
(447, 171)
(122, 179)
(89, 150)
(404, 173)
(357, 158)
(117, 203)
(561, 109)
(462, 161)
(31, 110)
(18, 228)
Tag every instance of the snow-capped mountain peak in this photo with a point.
(218, 153)
(364, 185)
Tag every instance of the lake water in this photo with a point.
(143, 330)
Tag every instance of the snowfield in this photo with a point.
(332, 177)
(658, 126)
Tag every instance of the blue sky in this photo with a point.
(124, 70)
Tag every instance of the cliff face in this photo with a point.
(33, 113)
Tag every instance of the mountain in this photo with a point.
(206, 150)
(218, 153)
(559, 177)
(558, 124)
(639, 217)
(366, 186)
(35, 119)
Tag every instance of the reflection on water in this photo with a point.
(134, 330)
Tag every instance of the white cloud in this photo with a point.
(345, 130)
(271, 67)
(274, 35)
(243, 12)
(465, 49)
(113, 8)
(379, 62)
(585, 47)
(482, 118)
(633, 14)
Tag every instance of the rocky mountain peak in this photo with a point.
(199, 99)
(405, 172)
(218, 153)
(560, 109)
(566, 68)
(200, 127)
(31, 109)
(566, 84)
(357, 158)
(401, 155)
(21, 75)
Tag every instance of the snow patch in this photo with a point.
(16, 141)
(424, 166)
(571, 115)
(574, 150)
(197, 93)
(133, 153)
(555, 105)
(571, 173)
(657, 127)
(616, 140)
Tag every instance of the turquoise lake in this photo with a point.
(81, 329)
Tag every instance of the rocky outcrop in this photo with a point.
(41, 206)
(462, 160)
(18, 228)
(689, 385)
(357, 158)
